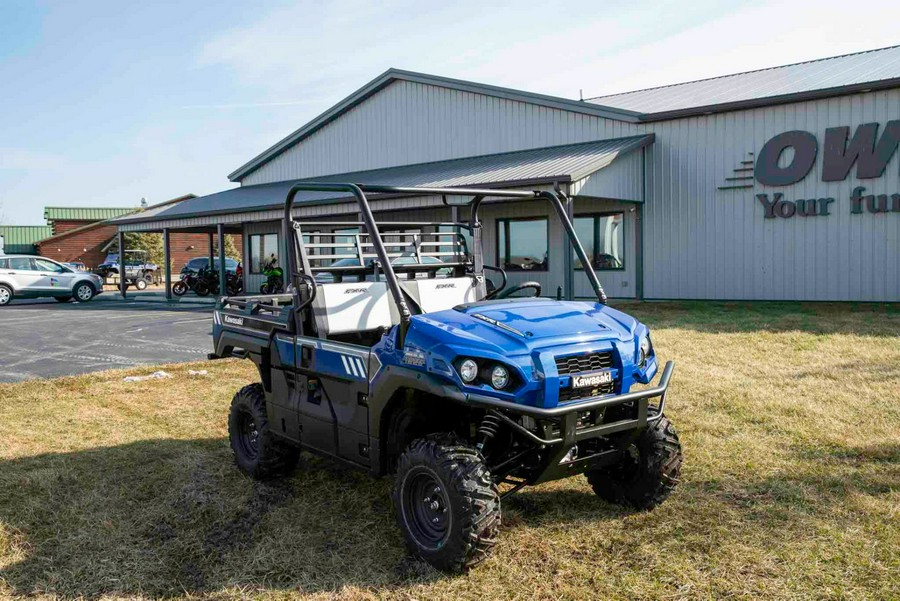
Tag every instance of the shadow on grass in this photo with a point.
(869, 319)
(166, 517)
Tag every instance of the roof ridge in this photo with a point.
(772, 68)
(91, 208)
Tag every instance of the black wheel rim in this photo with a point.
(426, 508)
(247, 436)
(628, 470)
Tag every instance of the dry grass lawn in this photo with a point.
(788, 414)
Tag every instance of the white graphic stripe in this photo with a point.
(352, 366)
(362, 367)
(346, 366)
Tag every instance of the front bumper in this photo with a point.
(570, 433)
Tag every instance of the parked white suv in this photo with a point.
(24, 276)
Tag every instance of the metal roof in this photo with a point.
(85, 213)
(526, 167)
(861, 70)
(20, 239)
(392, 75)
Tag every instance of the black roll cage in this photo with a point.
(478, 196)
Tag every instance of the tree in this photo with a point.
(231, 250)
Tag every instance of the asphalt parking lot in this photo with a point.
(43, 339)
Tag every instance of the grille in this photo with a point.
(580, 363)
(572, 394)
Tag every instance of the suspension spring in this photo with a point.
(489, 427)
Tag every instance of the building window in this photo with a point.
(603, 238)
(262, 248)
(523, 244)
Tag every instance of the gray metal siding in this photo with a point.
(409, 122)
(701, 242)
(622, 179)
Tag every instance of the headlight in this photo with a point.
(468, 371)
(499, 377)
(645, 350)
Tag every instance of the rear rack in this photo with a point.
(270, 305)
(354, 253)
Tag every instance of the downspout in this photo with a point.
(639, 230)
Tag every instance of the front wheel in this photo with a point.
(179, 288)
(445, 502)
(648, 473)
(84, 292)
(257, 451)
(6, 295)
(140, 284)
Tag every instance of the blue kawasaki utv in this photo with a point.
(407, 360)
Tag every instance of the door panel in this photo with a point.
(52, 278)
(23, 275)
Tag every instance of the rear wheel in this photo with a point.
(201, 290)
(445, 502)
(6, 295)
(84, 292)
(257, 451)
(140, 283)
(649, 472)
(62, 299)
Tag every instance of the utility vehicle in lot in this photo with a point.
(465, 394)
(139, 271)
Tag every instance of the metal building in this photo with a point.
(782, 183)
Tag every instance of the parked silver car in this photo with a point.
(23, 276)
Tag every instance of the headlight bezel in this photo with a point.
(464, 369)
(485, 373)
(499, 372)
(645, 350)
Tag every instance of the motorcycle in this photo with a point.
(205, 282)
(274, 278)
(187, 282)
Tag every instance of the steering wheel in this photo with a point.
(536, 286)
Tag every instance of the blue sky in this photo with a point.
(105, 102)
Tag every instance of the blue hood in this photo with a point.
(513, 326)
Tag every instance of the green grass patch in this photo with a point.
(788, 414)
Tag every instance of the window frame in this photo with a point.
(253, 267)
(507, 220)
(592, 252)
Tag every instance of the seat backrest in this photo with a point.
(439, 294)
(353, 307)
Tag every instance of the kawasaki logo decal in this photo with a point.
(592, 380)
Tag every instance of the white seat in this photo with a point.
(353, 307)
(440, 294)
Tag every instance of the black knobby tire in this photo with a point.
(6, 295)
(62, 299)
(257, 451)
(445, 502)
(648, 474)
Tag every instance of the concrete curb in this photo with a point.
(114, 297)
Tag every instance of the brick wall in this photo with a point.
(85, 246)
(59, 226)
